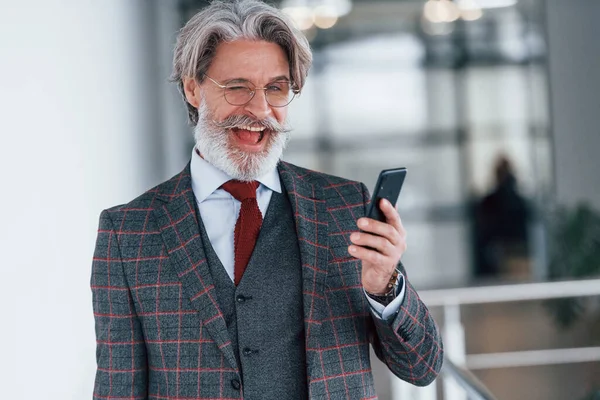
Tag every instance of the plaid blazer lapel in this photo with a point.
(310, 214)
(177, 221)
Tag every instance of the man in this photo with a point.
(244, 276)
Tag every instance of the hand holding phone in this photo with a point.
(390, 250)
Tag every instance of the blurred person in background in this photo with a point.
(501, 221)
(245, 276)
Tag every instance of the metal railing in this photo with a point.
(458, 382)
(473, 388)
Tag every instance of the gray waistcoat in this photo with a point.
(264, 313)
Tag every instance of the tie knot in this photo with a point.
(241, 190)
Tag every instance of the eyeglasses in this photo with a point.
(239, 93)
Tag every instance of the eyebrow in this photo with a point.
(280, 78)
(242, 80)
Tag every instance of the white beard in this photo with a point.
(214, 143)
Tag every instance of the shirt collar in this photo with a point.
(206, 178)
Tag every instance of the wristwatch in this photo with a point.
(387, 297)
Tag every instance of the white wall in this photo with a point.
(81, 131)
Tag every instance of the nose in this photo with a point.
(258, 106)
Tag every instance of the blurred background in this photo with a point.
(492, 105)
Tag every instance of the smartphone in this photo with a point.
(389, 184)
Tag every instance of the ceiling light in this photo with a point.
(437, 11)
(324, 17)
(471, 15)
(469, 10)
(302, 16)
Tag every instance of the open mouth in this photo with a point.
(249, 135)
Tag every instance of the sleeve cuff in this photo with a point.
(385, 312)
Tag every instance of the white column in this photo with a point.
(574, 69)
(177, 135)
(80, 132)
(405, 391)
(455, 349)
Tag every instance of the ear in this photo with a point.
(191, 88)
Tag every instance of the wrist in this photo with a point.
(390, 290)
(390, 287)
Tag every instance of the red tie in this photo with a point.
(247, 226)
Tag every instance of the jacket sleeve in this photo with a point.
(409, 342)
(120, 353)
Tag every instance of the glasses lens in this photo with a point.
(279, 94)
(238, 94)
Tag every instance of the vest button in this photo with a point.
(235, 383)
(247, 351)
(241, 299)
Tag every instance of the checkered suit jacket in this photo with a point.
(161, 335)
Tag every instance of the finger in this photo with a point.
(391, 214)
(367, 255)
(381, 229)
(378, 243)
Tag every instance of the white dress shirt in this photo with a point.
(219, 211)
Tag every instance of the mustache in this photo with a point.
(236, 121)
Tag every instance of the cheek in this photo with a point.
(218, 108)
(223, 112)
(280, 114)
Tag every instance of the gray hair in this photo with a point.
(227, 21)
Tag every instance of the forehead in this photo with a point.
(255, 61)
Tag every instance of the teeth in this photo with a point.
(252, 128)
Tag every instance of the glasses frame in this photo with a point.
(295, 92)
